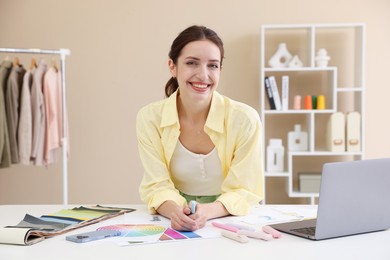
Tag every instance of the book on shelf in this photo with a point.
(285, 89)
(275, 92)
(32, 229)
(268, 91)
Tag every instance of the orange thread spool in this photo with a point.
(308, 103)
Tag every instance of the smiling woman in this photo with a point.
(189, 35)
(198, 145)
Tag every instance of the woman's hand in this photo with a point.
(182, 220)
(200, 216)
(180, 217)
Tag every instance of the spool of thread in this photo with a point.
(314, 101)
(307, 103)
(321, 102)
(297, 102)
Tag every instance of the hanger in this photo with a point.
(16, 62)
(54, 64)
(33, 64)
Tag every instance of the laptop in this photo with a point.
(353, 199)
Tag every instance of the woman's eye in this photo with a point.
(214, 66)
(191, 63)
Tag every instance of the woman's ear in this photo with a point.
(172, 68)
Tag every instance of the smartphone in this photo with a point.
(93, 235)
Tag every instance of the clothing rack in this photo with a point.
(63, 53)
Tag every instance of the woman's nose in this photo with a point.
(202, 72)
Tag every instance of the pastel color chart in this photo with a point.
(128, 230)
(139, 230)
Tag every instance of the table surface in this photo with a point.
(365, 246)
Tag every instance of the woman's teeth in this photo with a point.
(200, 85)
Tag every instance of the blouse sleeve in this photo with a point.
(156, 186)
(243, 185)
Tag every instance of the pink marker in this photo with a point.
(255, 234)
(272, 231)
(223, 226)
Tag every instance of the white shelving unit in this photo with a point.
(341, 82)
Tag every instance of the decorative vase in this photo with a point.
(322, 58)
(281, 58)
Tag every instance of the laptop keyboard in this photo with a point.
(306, 230)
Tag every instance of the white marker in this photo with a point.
(255, 234)
(235, 236)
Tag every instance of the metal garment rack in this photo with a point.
(63, 53)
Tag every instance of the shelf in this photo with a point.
(310, 26)
(276, 174)
(299, 69)
(341, 83)
(349, 89)
(300, 111)
(325, 153)
(297, 194)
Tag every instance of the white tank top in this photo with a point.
(196, 174)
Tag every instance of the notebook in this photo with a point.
(353, 199)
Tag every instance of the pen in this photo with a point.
(223, 226)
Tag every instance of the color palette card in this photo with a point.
(135, 234)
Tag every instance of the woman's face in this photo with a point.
(197, 69)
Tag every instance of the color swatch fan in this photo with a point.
(128, 230)
(148, 233)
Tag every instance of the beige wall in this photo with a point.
(118, 64)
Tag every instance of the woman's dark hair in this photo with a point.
(192, 33)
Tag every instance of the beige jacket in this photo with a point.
(38, 114)
(25, 121)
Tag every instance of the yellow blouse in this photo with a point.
(234, 128)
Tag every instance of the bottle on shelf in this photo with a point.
(297, 139)
(275, 155)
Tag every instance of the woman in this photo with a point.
(197, 144)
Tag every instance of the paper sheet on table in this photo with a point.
(260, 216)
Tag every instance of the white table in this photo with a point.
(366, 246)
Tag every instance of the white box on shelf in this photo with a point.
(353, 132)
(336, 132)
(309, 182)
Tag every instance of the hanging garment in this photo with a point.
(52, 97)
(12, 93)
(5, 153)
(38, 114)
(25, 121)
